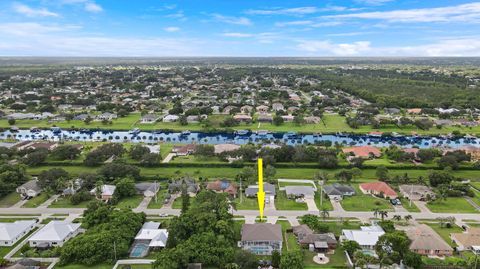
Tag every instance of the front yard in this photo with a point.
(36, 201)
(451, 205)
(10, 199)
(283, 203)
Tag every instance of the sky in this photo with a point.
(300, 28)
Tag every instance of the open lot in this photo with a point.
(10, 199)
(364, 202)
(451, 205)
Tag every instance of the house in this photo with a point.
(170, 118)
(414, 111)
(150, 118)
(193, 119)
(106, 192)
(242, 118)
(38, 145)
(251, 191)
(107, 116)
(261, 238)
(413, 151)
(228, 109)
(73, 187)
(147, 189)
(467, 240)
(221, 148)
(391, 111)
(264, 118)
(29, 189)
(54, 234)
(277, 107)
(366, 237)
(176, 186)
(416, 192)
(322, 243)
(300, 191)
(473, 151)
(262, 109)
(363, 152)
(25, 264)
(184, 150)
(11, 232)
(151, 235)
(378, 188)
(312, 120)
(81, 117)
(246, 109)
(337, 191)
(301, 231)
(221, 186)
(288, 118)
(425, 241)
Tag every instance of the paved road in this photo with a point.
(278, 213)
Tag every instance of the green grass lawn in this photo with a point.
(283, 203)
(177, 204)
(290, 241)
(284, 184)
(10, 199)
(451, 205)
(364, 202)
(36, 201)
(325, 203)
(130, 202)
(337, 260)
(247, 203)
(445, 232)
(408, 207)
(160, 198)
(64, 202)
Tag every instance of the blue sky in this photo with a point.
(239, 28)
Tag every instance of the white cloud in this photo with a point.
(459, 13)
(31, 29)
(373, 2)
(31, 12)
(294, 23)
(232, 20)
(177, 15)
(171, 29)
(326, 47)
(297, 11)
(240, 35)
(93, 7)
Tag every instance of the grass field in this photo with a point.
(408, 207)
(130, 202)
(451, 205)
(337, 261)
(79, 266)
(325, 203)
(283, 203)
(364, 202)
(445, 232)
(10, 200)
(63, 202)
(247, 203)
(36, 201)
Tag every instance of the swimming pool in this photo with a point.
(139, 251)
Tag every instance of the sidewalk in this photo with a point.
(49, 201)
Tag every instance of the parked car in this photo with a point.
(395, 201)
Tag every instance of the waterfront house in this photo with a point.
(261, 238)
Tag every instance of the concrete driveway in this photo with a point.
(310, 201)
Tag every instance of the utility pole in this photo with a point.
(321, 194)
(115, 250)
(156, 190)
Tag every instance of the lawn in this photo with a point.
(159, 202)
(64, 202)
(10, 199)
(177, 204)
(130, 202)
(291, 241)
(451, 205)
(247, 204)
(325, 203)
(363, 202)
(36, 201)
(408, 207)
(283, 203)
(445, 232)
(337, 260)
(284, 184)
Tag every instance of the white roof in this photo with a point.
(56, 230)
(367, 236)
(106, 190)
(10, 231)
(157, 237)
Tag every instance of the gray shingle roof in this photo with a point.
(262, 232)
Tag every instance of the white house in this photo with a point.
(29, 189)
(170, 118)
(366, 237)
(107, 192)
(10, 233)
(151, 234)
(54, 234)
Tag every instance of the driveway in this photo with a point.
(312, 207)
(144, 204)
(49, 201)
(337, 207)
(422, 206)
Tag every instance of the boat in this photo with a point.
(186, 132)
(56, 129)
(263, 132)
(134, 131)
(290, 134)
(241, 132)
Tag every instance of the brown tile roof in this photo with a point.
(425, 238)
(379, 186)
(363, 151)
(468, 239)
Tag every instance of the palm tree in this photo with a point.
(324, 213)
(383, 214)
(376, 211)
(397, 217)
(98, 189)
(408, 217)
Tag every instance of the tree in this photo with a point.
(138, 151)
(324, 213)
(278, 120)
(125, 187)
(394, 245)
(150, 159)
(245, 259)
(11, 121)
(65, 152)
(439, 177)
(269, 172)
(276, 259)
(112, 171)
(54, 179)
(344, 175)
(382, 173)
(350, 247)
(292, 260)
(383, 214)
(205, 150)
(185, 198)
(36, 157)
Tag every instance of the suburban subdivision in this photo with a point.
(367, 163)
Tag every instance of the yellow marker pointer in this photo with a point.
(260, 193)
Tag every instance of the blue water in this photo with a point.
(222, 137)
(139, 250)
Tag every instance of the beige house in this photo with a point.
(425, 241)
(467, 240)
